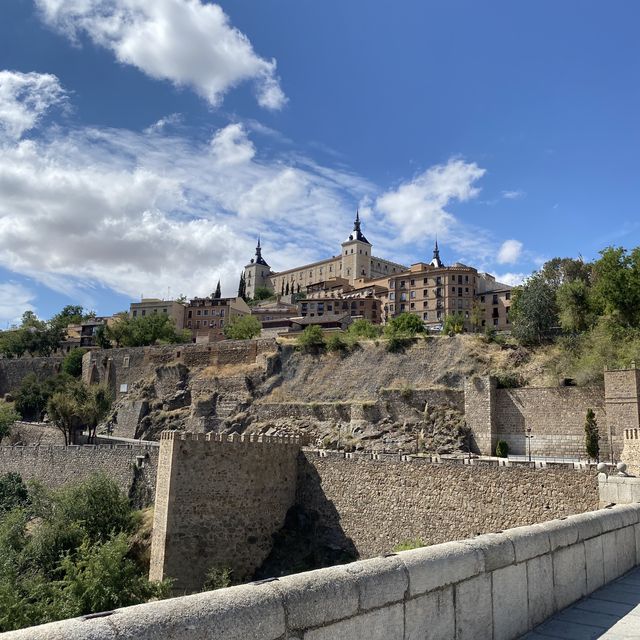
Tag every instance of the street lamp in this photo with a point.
(528, 437)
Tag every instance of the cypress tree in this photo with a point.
(591, 435)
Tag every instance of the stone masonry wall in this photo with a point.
(55, 466)
(493, 587)
(555, 416)
(380, 503)
(121, 368)
(219, 501)
(13, 370)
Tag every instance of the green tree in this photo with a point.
(72, 363)
(243, 328)
(534, 312)
(8, 415)
(453, 323)
(71, 314)
(404, 325)
(575, 308)
(337, 343)
(262, 293)
(592, 437)
(143, 331)
(30, 399)
(311, 340)
(502, 449)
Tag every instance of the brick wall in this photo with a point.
(219, 502)
(378, 504)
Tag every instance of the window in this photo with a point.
(135, 313)
(425, 293)
(198, 312)
(466, 289)
(425, 281)
(206, 312)
(402, 306)
(403, 296)
(392, 295)
(459, 291)
(495, 298)
(413, 305)
(189, 324)
(391, 308)
(481, 298)
(125, 362)
(144, 313)
(438, 292)
(124, 387)
(412, 294)
(438, 279)
(507, 296)
(221, 323)
(221, 315)
(459, 279)
(466, 279)
(164, 311)
(155, 311)
(413, 282)
(402, 284)
(197, 324)
(495, 322)
(425, 304)
(425, 315)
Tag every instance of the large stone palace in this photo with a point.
(430, 290)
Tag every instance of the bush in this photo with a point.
(405, 325)
(311, 340)
(217, 578)
(397, 344)
(407, 545)
(13, 492)
(8, 415)
(510, 380)
(243, 328)
(72, 364)
(337, 343)
(502, 449)
(364, 329)
(453, 323)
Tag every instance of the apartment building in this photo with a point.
(207, 317)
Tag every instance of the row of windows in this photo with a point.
(143, 312)
(211, 324)
(439, 280)
(205, 312)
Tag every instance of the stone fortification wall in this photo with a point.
(13, 370)
(493, 587)
(133, 467)
(555, 416)
(631, 450)
(31, 433)
(380, 503)
(219, 501)
(120, 369)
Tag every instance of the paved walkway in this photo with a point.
(611, 613)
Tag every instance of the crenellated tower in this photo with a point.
(257, 273)
(356, 254)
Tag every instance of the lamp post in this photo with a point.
(528, 437)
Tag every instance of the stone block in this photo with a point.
(569, 575)
(474, 609)
(626, 549)
(628, 512)
(610, 556)
(380, 581)
(562, 533)
(496, 549)
(509, 595)
(318, 597)
(595, 563)
(382, 624)
(528, 542)
(611, 519)
(248, 612)
(440, 565)
(540, 589)
(74, 629)
(430, 617)
(589, 525)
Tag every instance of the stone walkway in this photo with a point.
(611, 613)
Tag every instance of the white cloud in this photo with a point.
(24, 98)
(509, 251)
(513, 195)
(188, 42)
(418, 208)
(171, 120)
(512, 279)
(15, 299)
(231, 146)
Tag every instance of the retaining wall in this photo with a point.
(55, 466)
(379, 501)
(13, 370)
(492, 587)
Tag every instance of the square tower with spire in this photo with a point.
(356, 254)
(257, 273)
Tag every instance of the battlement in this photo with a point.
(80, 448)
(233, 438)
(484, 461)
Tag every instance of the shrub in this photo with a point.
(364, 329)
(397, 344)
(217, 578)
(13, 492)
(453, 323)
(72, 363)
(337, 343)
(406, 393)
(311, 340)
(510, 380)
(406, 325)
(8, 415)
(502, 449)
(407, 545)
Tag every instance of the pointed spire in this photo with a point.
(259, 259)
(357, 234)
(436, 262)
(218, 292)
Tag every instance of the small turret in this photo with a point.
(259, 259)
(357, 231)
(436, 262)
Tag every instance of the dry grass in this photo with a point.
(227, 370)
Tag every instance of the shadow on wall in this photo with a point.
(311, 537)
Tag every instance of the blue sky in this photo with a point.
(143, 146)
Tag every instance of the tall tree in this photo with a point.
(534, 312)
(591, 435)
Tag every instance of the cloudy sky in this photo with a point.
(144, 145)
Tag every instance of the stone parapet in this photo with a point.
(495, 587)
